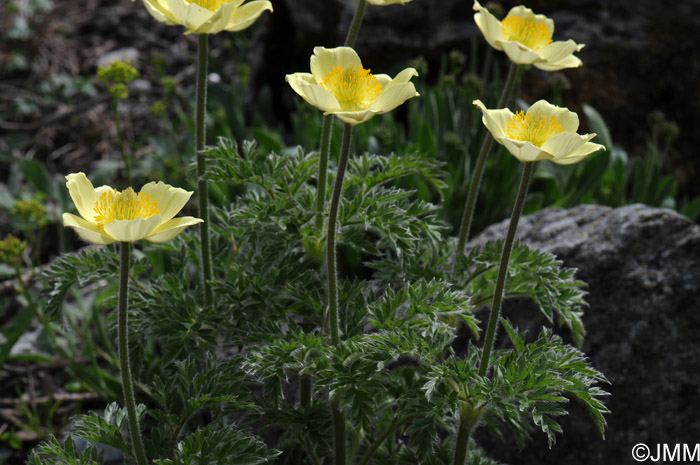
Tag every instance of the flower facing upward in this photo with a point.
(339, 85)
(109, 215)
(545, 132)
(207, 16)
(388, 2)
(527, 38)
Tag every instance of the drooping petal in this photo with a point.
(489, 26)
(169, 200)
(324, 60)
(172, 228)
(87, 231)
(566, 118)
(132, 230)
(248, 14)
(496, 121)
(519, 54)
(393, 96)
(83, 194)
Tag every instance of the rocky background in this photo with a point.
(642, 266)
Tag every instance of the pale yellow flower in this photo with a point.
(339, 85)
(207, 16)
(109, 215)
(527, 38)
(388, 2)
(545, 132)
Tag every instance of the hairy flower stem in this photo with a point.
(503, 267)
(199, 140)
(122, 145)
(124, 363)
(323, 169)
(463, 433)
(473, 193)
(356, 23)
(338, 416)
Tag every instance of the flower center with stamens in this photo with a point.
(354, 87)
(212, 5)
(533, 127)
(527, 30)
(126, 205)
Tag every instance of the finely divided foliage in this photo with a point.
(395, 373)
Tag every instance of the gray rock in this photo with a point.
(642, 266)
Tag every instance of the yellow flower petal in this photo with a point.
(190, 15)
(563, 144)
(319, 97)
(354, 117)
(169, 200)
(489, 26)
(495, 120)
(247, 15)
(172, 228)
(82, 193)
(404, 76)
(566, 118)
(569, 62)
(526, 38)
(159, 12)
(87, 231)
(393, 96)
(519, 54)
(523, 11)
(298, 80)
(558, 51)
(324, 60)
(523, 150)
(132, 230)
(582, 152)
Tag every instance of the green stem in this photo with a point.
(339, 435)
(305, 391)
(323, 169)
(199, 138)
(397, 423)
(330, 246)
(120, 135)
(473, 193)
(465, 429)
(503, 267)
(124, 364)
(356, 23)
(338, 416)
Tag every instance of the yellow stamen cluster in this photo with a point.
(127, 205)
(533, 127)
(212, 5)
(527, 30)
(354, 87)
